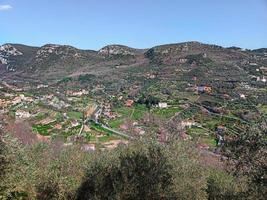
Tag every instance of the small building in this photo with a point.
(242, 96)
(22, 114)
(129, 103)
(16, 100)
(109, 115)
(220, 130)
(41, 86)
(74, 123)
(182, 60)
(188, 123)
(88, 147)
(58, 126)
(3, 103)
(77, 93)
(204, 89)
(163, 105)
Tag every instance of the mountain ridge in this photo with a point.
(115, 44)
(52, 62)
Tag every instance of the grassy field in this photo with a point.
(42, 129)
(262, 109)
(209, 141)
(107, 138)
(115, 123)
(75, 115)
(90, 137)
(107, 134)
(100, 129)
(166, 112)
(135, 113)
(197, 132)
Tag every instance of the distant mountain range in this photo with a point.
(53, 62)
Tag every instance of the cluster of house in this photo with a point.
(15, 100)
(262, 79)
(77, 93)
(107, 145)
(134, 127)
(107, 112)
(22, 114)
(11, 87)
(130, 103)
(41, 86)
(259, 78)
(188, 123)
(52, 100)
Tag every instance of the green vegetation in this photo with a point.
(42, 129)
(148, 100)
(249, 152)
(90, 137)
(135, 113)
(40, 116)
(84, 78)
(106, 138)
(65, 80)
(144, 169)
(100, 129)
(166, 112)
(198, 59)
(195, 131)
(115, 123)
(75, 115)
(210, 141)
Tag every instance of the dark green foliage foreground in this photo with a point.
(143, 170)
(136, 173)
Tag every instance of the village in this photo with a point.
(106, 122)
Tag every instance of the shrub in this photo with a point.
(143, 171)
(42, 171)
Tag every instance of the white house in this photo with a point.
(22, 114)
(163, 105)
(242, 96)
(188, 123)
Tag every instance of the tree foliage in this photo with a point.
(247, 153)
(145, 169)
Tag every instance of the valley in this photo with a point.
(102, 99)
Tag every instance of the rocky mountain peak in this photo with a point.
(6, 51)
(117, 50)
(59, 50)
(9, 50)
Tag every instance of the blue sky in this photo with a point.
(92, 24)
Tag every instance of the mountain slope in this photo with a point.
(53, 62)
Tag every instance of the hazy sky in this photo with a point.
(92, 24)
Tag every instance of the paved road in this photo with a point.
(116, 132)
